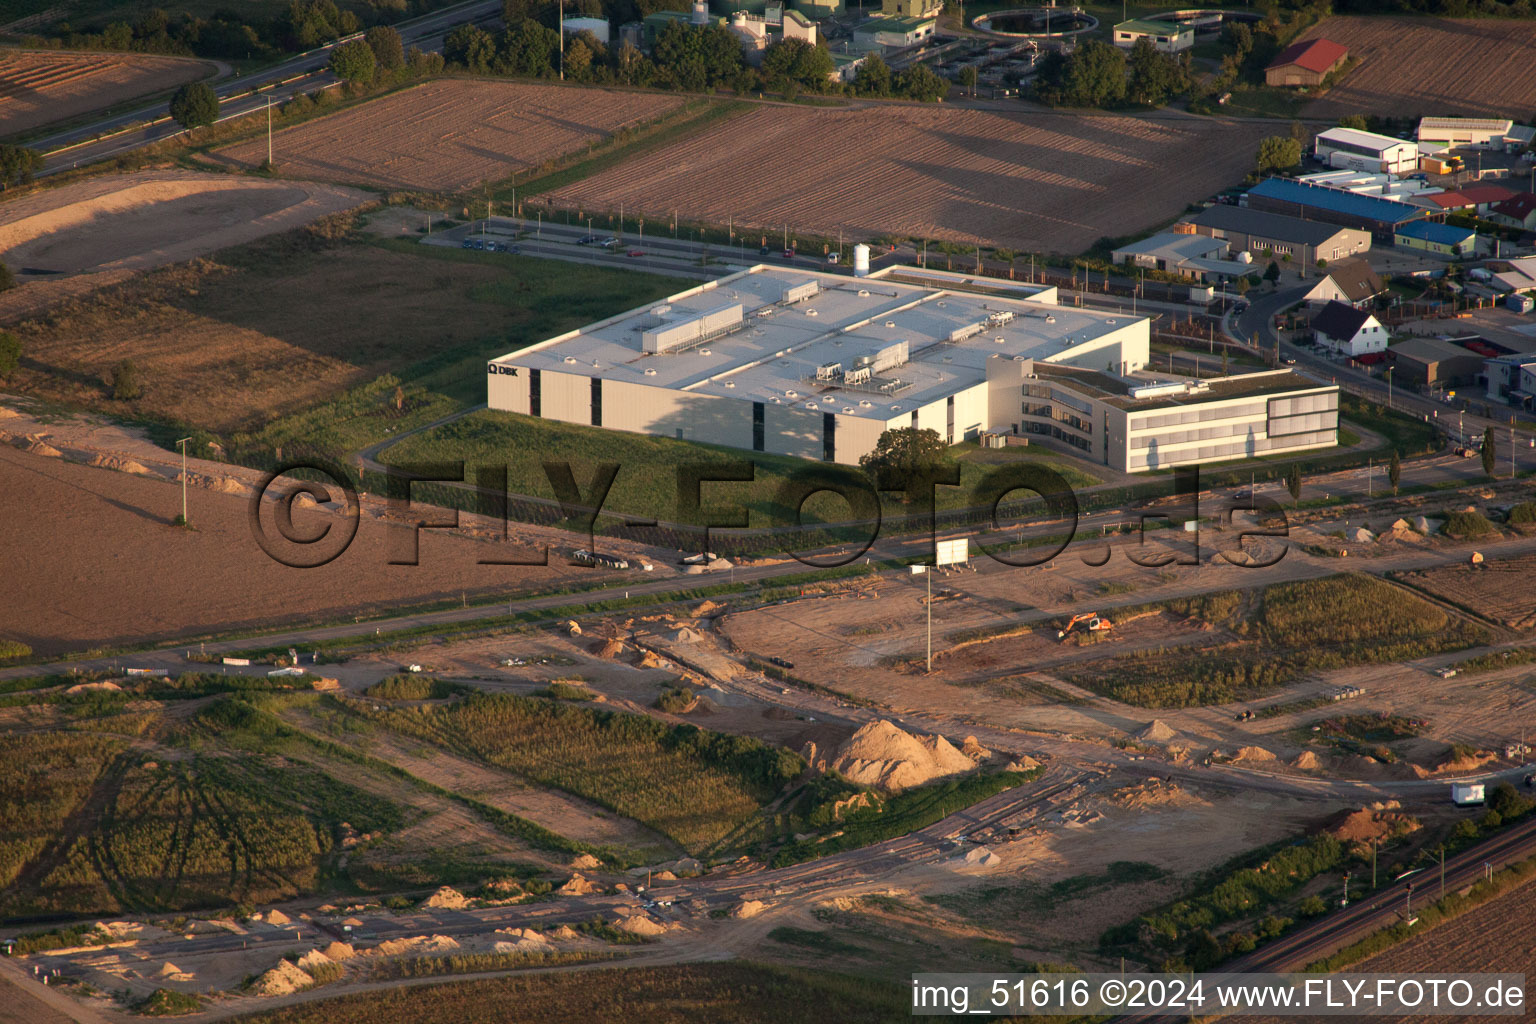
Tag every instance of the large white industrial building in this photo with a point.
(1365, 151)
(795, 362)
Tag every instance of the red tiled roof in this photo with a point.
(1519, 206)
(1451, 200)
(1317, 55)
(1481, 193)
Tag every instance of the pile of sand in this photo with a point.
(706, 608)
(1024, 763)
(683, 867)
(685, 635)
(610, 649)
(640, 925)
(283, 980)
(340, 951)
(577, 886)
(1453, 765)
(1156, 731)
(565, 933)
(980, 856)
(663, 876)
(586, 862)
(1307, 761)
(414, 944)
(278, 918)
(447, 897)
(88, 687)
(170, 972)
(1254, 754)
(881, 754)
(974, 750)
(748, 908)
(1367, 824)
(120, 463)
(522, 940)
(314, 958)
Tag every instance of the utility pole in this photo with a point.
(182, 444)
(1442, 871)
(928, 575)
(562, 40)
(1373, 865)
(269, 132)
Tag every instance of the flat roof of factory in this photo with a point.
(774, 352)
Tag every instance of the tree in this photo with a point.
(1293, 481)
(919, 83)
(470, 47)
(1488, 452)
(7, 279)
(1155, 77)
(125, 381)
(968, 78)
(195, 105)
(1278, 153)
(1272, 272)
(527, 48)
(796, 60)
(1356, 121)
(874, 77)
(10, 354)
(578, 61)
(1394, 471)
(388, 51)
(1092, 76)
(18, 164)
(353, 62)
(905, 451)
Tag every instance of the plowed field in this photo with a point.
(1439, 66)
(1040, 181)
(40, 88)
(451, 134)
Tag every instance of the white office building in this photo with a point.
(1366, 151)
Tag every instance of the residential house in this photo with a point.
(1348, 331)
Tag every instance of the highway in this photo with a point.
(247, 94)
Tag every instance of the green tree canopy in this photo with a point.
(10, 354)
(195, 105)
(1278, 153)
(919, 83)
(353, 62)
(470, 47)
(798, 61)
(904, 451)
(1489, 453)
(1155, 77)
(388, 51)
(873, 78)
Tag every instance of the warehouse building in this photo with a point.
(1365, 151)
(819, 366)
(1254, 231)
(1196, 257)
(1426, 363)
(1440, 239)
(893, 33)
(1511, 379)
(1380, 217)
(1306, 63)
(1473, 133)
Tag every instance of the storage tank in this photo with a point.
(701, 12)
(861, 260)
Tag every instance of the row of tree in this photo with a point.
(685, 57)
(1097, 74)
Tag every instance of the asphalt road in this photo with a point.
(241, 96)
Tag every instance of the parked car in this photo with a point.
(587, 240)
(635, 252)
(834, 257)
(515, 250)
(466, 244)
(612, 243)
(763, 251)
(789, 254)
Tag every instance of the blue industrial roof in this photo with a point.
(1337, 200)
(1440, 234)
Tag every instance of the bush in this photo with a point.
(165, 1002)
(195, 105)
(125, 381)
(1468, 525)
(674, 700)
(562, 689)
(13, 649)
(7, 279)
(415, 687)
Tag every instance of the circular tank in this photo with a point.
(861, 260)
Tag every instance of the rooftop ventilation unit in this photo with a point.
(800, 292)
(693, 331)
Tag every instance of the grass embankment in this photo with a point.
(646, 484)
(1282, 633)
(734, 991)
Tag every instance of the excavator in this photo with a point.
(1088, 620)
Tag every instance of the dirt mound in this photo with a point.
(565, 933)
(586, 862)
(283, 980)
(1367, 824)
(278, 918)
(685, 635)
(881, 754)
(706, 609)
(1157, 731)
(448, 897)
(89, 687)
(974, 750)
(610, 649)
(340, 951)
(982, 857)
(578, 885)
(117, 462)
(314, 958)
(1024, 763)
(748, 908)
(640, 925)
(170, 972)
(1451, 764)
(415, 944)
(1253, 754)
(1307, 761)
(664, 876)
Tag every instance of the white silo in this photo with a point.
(701, 12)
(861, 260)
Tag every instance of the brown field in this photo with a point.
(41, 88)
(1437, 66)
(67, 241)
(1040, 181)
(449, 135)
(1500, 591)
(126, 576)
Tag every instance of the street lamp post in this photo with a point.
(182, 444)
